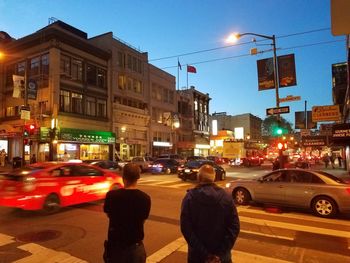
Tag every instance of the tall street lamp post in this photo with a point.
(275, 75)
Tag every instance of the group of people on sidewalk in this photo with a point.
(209, 220)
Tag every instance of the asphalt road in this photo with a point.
(76, 234)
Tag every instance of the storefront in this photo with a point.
(76, 144)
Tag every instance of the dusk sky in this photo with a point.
(186, 30)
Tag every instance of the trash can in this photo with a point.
(16, 162)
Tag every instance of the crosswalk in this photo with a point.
(175, 182)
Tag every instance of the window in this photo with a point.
(10, 71)
(77, 103)
(45, 64)
(101, 78)
(91, 106)
(120, 59)
(137, 86)
(129, 62)
(65, 65)
(21, 68)
(134, 64)
(77, 69)
(34, 66)
(64, 101)
(129, 83)
(12, 111)
(121, 82)
(101, 108)
(91, 75)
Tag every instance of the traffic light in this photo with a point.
(282, 146)
(278, 131)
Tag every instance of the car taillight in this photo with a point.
(348, 190)
(29, 183)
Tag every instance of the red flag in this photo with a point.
(191, 69)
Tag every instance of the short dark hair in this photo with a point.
(131, 172)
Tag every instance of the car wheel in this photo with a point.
(241, 196)
(324, 206)
(167, 171)
(51, 204)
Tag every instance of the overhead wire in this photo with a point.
(246, 55)
(238, 44)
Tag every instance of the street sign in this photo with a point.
(280, 110)
(326, 113)
(290, 98)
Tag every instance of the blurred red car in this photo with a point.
(51, 185)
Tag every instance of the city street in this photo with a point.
(76, 234)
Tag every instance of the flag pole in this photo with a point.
(187, 74)
(178, 74)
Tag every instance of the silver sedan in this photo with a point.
(323, 193)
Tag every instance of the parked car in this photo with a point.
(217, 159)
(189, 171)
(49, 186)
(105, 164)
(143, 162)
(177, 157)
(195, 157)
(164, 165)
(321, 192)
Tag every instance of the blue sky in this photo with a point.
(173, 28)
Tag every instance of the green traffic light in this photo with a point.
(279, 131)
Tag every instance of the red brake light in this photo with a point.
(348, 190)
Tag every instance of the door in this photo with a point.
(271, 188)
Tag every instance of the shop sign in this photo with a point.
(341, 133)
(316, 141)
(86, 136)
(326, 113)
(45, 134)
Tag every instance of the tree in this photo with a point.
(272, 126)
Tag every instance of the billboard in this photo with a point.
(286, 72)
(300, 120)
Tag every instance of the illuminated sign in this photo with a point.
(162, 144)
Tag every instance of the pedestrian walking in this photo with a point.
(209, 220)
(326, 160)
(339, 161)
(127, 210)
(332, 159)
(2, 157)
(33, 159)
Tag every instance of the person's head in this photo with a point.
(206, 174)
(131, 173)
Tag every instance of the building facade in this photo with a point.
(66, 99)
(245, 126)
(130, 93)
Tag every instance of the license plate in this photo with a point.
(187, 170)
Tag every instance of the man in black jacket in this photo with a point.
(127, 210)
(209, 220)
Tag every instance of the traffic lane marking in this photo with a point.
(295, 227)
(257, 210)
(42, 254)
(180, 245)
(5, 239)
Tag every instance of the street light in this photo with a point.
(235, 37)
